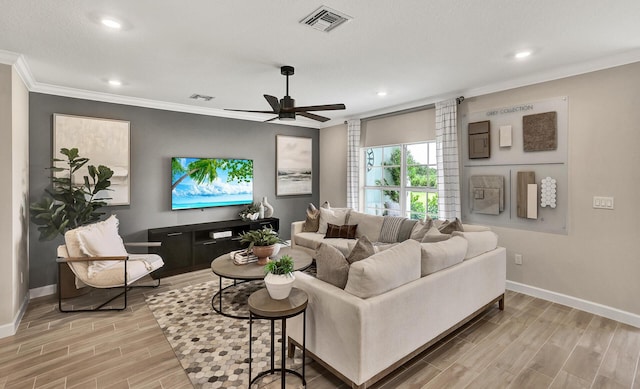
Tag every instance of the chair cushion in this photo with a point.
(138, 266)
(96, 240)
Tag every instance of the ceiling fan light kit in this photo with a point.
(286, 109)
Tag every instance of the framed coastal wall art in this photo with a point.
(293, 165)
(104, 142)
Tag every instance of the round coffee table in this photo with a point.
(224, 267)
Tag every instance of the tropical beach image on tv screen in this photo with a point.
(210, 182)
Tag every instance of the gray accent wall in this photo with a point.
(156, 136)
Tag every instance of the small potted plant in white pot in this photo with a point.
(263, 242)
(279, 277)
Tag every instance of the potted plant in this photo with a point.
(251, 212)
(279, 277)
(262, 242)
(66, 205)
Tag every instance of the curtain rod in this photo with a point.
(459, 100)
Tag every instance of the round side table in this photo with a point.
(262, 306)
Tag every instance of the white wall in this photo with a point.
(598, 260)
(333, 165)
(14, 135)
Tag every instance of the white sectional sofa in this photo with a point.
(363, 332)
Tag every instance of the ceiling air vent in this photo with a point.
(325, 19)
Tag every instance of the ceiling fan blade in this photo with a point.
(245, 110)
(314, 116)
(327, 107)
(272, 119)
(273, 102)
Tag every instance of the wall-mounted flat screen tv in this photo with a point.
(210, 182)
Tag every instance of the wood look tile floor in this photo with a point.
(533, 343)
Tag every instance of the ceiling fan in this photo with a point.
(285, 108)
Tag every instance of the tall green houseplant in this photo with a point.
(66, 206)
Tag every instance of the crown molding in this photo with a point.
(571, 70)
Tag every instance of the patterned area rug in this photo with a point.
(214, 349)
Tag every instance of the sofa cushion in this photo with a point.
(434, 235)
(312, 220)
(368, 225)
(361, 250)
(347, 231)
(479, 242)
(332, 267)
(405, 229)
(385, 270)
(449, 226)
(420, 229)
(336, 216)
(441, 255)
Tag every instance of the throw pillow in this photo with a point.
(312, 221)
(336, 216)
(450, 226)
(331, 266)
(101, 240)
(434, 235)
(363, 249)
(420, 229)
(347, 231)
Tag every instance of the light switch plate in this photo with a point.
(600, 202)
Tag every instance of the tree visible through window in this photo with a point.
(401, 180)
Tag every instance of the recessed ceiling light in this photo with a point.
(116, 25)
(382, 94)
(115, 82)
(522, 54)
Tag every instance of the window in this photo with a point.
(401, 180)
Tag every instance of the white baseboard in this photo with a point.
(10, 329)
(43, 291)
(574, 302)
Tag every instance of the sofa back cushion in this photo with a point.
(479, 242)
(385, 270)
(368, 225)
(441, 255)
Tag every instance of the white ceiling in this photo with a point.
(418, 51)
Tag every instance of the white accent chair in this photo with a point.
(97, 257)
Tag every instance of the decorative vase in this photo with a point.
(261, 212)
(279, 285)
(268, 209)
(263, 253)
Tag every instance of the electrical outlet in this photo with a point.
(518, 259)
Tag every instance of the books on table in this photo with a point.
(242, 257)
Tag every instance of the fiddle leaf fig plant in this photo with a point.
(66, 205)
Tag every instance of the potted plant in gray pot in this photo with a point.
(263, 242)
(279, 277)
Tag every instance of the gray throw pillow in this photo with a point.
(362, 249)
(450, 226)
(312, 222)
(420, 229)
(331, 266)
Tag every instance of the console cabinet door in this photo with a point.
(175, 250)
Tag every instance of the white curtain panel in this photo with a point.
(447, 159)
(353, 163)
